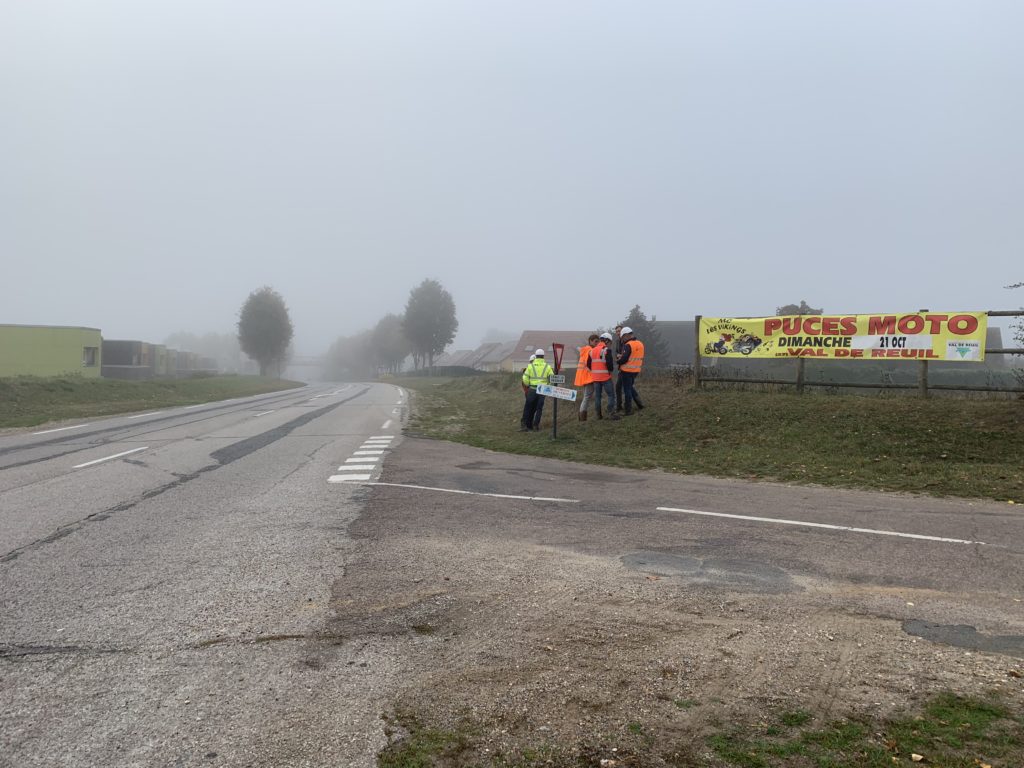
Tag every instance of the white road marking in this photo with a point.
(356, 467)
(108, 458)
(362, 460)
(367, 453)
(140, 415)
(197, 405)
(386, 424)
(476, 493)
(383, 437)
(347, 478)
(395, 412)
(62, 429)
(821, 525)
(264, 413)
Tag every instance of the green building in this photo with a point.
(49, 350)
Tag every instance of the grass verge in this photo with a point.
(941, 446)
(951, 731)
(28, 401)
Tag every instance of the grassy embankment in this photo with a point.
(28, 401)
(941, 446)
(950, 731)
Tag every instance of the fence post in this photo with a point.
(697, 383)
(922, 374)
(800, 361)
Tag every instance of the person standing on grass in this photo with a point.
(583, 377)
(618, 378)
(601, 365)
(630, 361)
(537, 372)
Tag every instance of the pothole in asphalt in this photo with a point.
(965, 636)
(732, 574)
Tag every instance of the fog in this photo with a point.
(551, 164)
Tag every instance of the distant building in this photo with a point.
(49, 350)
(531, 341)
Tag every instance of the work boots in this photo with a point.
(583, 415)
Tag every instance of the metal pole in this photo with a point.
(554, 408)
(922, 374)
(697, 383)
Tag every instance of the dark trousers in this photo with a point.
(539, 412)
(618, 391)
(532, 408)
(607, 389)
(629, 393)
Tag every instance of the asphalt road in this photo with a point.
(167, 607)
(170, 582)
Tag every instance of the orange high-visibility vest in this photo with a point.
(583, 376)
(598, 365)
(636, 357)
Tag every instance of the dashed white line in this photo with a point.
(61, 429)
(108, 458)
(140, 415)
(820, 525)
(474, 493)
(386, 424)
(367, 453)
(362, 460)
(197, 405)
(356, 467)
(347, 478)
(383, 437)
(264, 413)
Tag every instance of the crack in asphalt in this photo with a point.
(223, 456)
(13, 651)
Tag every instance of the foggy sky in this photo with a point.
(551, 163)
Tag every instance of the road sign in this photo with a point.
(561, 393)
(559, 350)
(558, 378)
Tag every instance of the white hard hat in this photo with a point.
(625, 330)
(606, 335)
(532, 358)
(539, 353)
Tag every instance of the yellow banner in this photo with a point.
(947, 336)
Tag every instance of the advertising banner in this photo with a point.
(946, 336)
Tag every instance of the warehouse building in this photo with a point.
(49, 350)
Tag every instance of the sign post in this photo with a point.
(558, 350)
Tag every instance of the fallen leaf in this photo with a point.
(916, 757)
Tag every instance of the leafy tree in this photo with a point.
(389, 343)
(803, 308)
(656, 351)
(265, 329)
(429, 322)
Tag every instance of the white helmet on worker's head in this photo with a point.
(539, 353)
(532, 358)
(625, 331)
(606, 335)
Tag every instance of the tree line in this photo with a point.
(423, 330)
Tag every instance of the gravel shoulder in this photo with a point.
(541, 633)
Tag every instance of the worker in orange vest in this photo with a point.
(631, 361)
(583, 377)
(601, 364)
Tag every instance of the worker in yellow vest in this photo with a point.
(630, 362)
(537, 372)
(584, 378)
